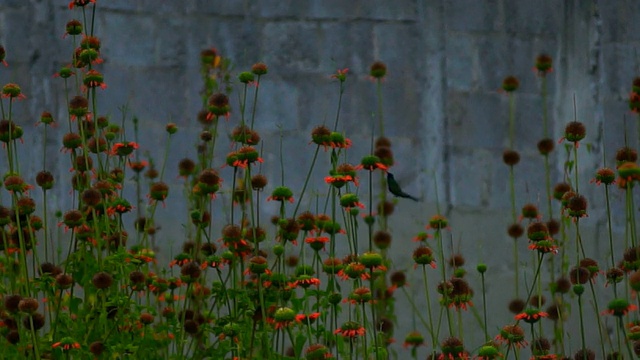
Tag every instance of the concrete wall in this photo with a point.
(443, 109)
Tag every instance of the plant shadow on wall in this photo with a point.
(86, 283)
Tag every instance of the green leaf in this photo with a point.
(301, 339)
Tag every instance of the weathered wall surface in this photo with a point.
(443, 109)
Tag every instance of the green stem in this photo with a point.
(484, 307)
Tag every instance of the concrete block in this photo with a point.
(461, 69)
(145, 92)
(621, 62)
(291, 46)
(128, 39)
(468, 124)
(346, 45)
(619, 22)
(402, 61)
(542, 17)
(286, 9)
(219, 7)
(171, 49)
(404, 10)
(120, 5)
(472, 16)
(165, 7)
(493, 61)
(471, 177)
(279, 97)
(18, 41)
(317, 102)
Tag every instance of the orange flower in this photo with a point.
(307, 319)
(124, 148)
(80, 3)
(341, 74)
(531, 315)
(350, 329)
(66, 343)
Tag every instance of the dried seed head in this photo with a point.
(577, 206)
(28, 305)
(510, 157)
(259, 69)
(516, 306)
(510, 84)
(575, 131)
(560, 189)
(546, 146)
(11, 303)
(515, 230)
(97, 348)
(36, 319)
(102, 280)
(378, 70)
(537, 231)
(544, 64)
(64, 281)
(186, 167)
(258, 182)
(382, 239)
(579, 275)
(45, 180)
(583, 354)
(554, 226)
(385, 154)
(190, 271)
(91, 197)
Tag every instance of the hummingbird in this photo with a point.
(395, 189)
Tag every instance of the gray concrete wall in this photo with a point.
(443, 109)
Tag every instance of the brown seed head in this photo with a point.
(11, 303)
(544, 64)
(28, 305)
(577, 206)
(516, 306)
(579, 275)
(510, 157)
(537, 301)
(456, 260)
(385, 154)
(546, 146)
(91, 197)
(36, 319)
(554, 226)
(146, 318)
(575, 131)
(560, 189)
(515, 230)
(378, 70)
(510, 84)
(44, 179)
(102, 280)
(382, 141)
(626, 154)
(540, 346)
(386, 208)
(97, 348)
(209, 177)
(64, 281)
(186, 167)
(382, 239)
(537, 231)
(191, 270)
(583, 354)
(259, 69)
(258, 182)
